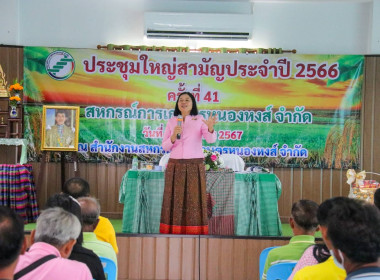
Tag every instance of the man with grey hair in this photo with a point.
(53, 239)
(90, 215)
(78, 187)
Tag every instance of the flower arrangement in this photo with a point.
(16, 88)
(13, 100)
(212, 160)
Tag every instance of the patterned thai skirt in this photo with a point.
(184, 205)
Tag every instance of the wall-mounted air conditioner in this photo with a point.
(166, 25)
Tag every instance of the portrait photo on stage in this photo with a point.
(60, 126)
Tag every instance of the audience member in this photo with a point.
(376, 198)
(303, 222)
(315, 254)
(90, 216)
(352, 233)
(326, 270)
(52, 241)
(78, 187)
(12, 241)
(79, 253)
(319, 266)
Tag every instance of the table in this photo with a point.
(251, 200)
(17, 190)
(17, 142)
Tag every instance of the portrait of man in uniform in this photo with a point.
(60, 128)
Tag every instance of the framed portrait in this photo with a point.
(60, 128)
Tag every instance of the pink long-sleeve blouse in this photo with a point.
(190, 144)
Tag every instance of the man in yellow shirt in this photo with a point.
(104, 231)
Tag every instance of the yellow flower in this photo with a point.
(13, 100)
(17, 98)
(16, 87)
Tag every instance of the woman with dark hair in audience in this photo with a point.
(79, 253)
(315, 254)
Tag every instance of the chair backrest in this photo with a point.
(109, 268)
(164, 160)
(280, 271)
(233, 161)
(263, 258)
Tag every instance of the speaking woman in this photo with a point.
(184, 206)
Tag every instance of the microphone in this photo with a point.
(179, 123)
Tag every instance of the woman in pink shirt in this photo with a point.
(184, 206)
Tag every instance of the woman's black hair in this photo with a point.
(194, 109)
(320, 252)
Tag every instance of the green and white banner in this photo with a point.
(274, 110)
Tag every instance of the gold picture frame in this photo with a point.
(60, 128)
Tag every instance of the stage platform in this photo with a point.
(144, 256)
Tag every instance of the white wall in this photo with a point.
(310, 27)
(374, 47)
(9, 22)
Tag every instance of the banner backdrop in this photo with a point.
(275, 110)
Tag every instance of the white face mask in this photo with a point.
(338, 264)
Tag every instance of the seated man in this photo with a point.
(79, 253)
(78, 187)
(52, 241)
(90, 216)
(304, 223)
(352, 234)
(11, 241)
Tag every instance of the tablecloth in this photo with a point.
(250, 201)
(17, 190)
